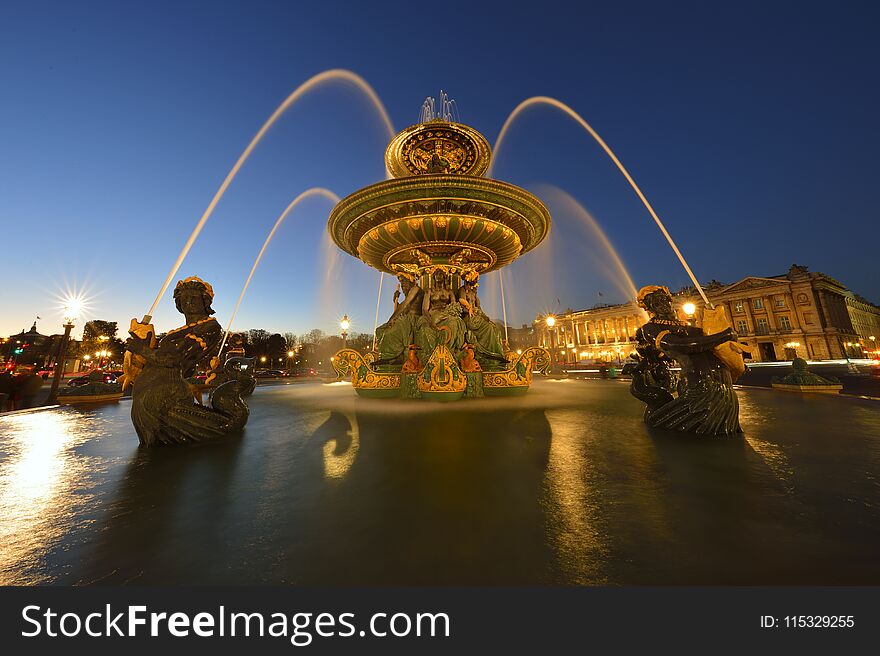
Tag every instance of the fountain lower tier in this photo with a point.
(441, 378)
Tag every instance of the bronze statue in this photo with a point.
(703, 401)
(395, 335)
(482, 331)
(441, 321)
(163, 410)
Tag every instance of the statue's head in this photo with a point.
(439, 277)
(193, 296)
(471, 278)
(657, 300)
(407, 281)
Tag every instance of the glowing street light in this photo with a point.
(71, 309)
(689, 308)
(550, 321)
(345, 324)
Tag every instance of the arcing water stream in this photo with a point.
(545, 100)
(314, 191)
(299, 92)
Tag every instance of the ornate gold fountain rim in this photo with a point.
(384, 208)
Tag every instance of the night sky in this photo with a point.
(751, 128)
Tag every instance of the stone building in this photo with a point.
(603, 332)
(798, 314)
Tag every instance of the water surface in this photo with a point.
(564, 486)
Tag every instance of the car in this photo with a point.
(301, 372)
(109, 377)
(46, 373)
(270, 373)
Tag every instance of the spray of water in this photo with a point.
(503, 306)
(618, 274)
(545, 100)
(314, 191)
(335, 75)
(378, 300)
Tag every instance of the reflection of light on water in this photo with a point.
(336, 465)
(575, 502)
(38, 475)
(772, 455)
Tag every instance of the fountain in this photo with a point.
(437, 225)
(565, 485)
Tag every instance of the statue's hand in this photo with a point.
(396, 295)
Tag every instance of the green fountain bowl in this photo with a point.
(519, 390)
(442, 397)
(399, 221)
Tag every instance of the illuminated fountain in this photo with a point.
(437, 225)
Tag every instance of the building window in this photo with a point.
(738, 306)
(742, 327)
(784, 323)
(759, 303)
(762, 327)
(780, 301)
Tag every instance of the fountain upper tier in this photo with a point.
(438, 209)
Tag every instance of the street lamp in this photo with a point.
(849, 365)
(550, 320)
(72, 308)
(690, 310)
(345, 324)
(289, 355)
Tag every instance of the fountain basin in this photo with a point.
(564, 486)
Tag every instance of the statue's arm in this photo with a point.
(694, 343)
(162, 357)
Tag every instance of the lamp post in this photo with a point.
(289, 356)
(345, 324)
(849, 365)
(72, 309)
(550, 321)
(690, 311)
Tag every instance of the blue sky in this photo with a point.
(751, 128)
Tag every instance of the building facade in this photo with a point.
(798, 314)
(603, 333)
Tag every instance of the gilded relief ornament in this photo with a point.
(438, 147)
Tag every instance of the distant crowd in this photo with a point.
(19, 390)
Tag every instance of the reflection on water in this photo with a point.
(341, 446)
(573, 501)
(39, 480)
(564, 485)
